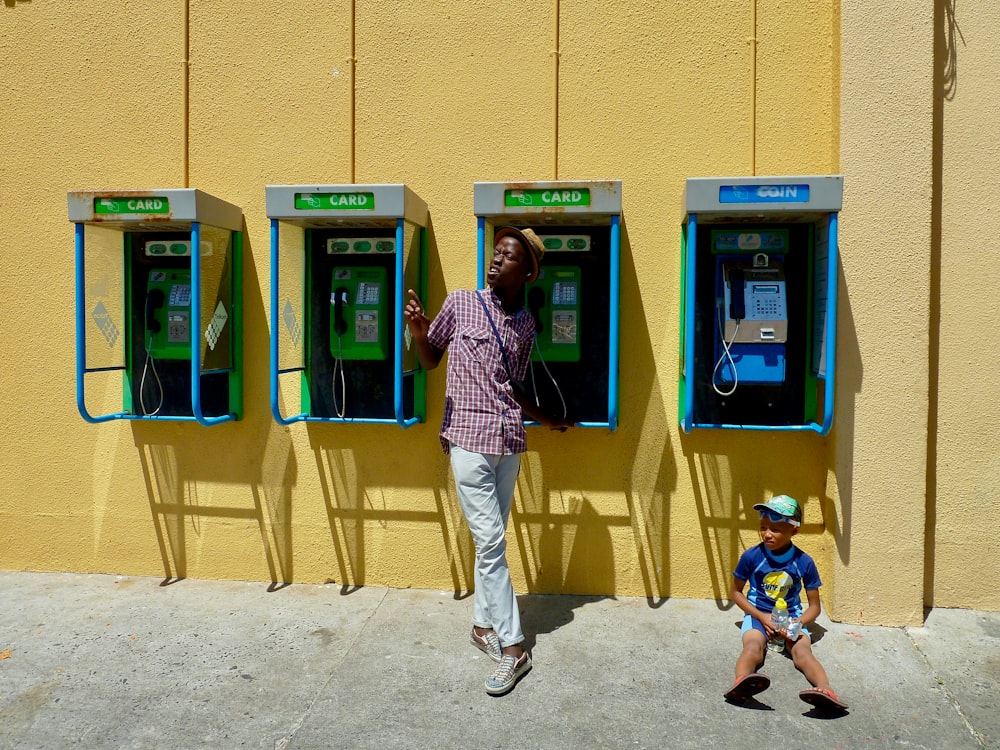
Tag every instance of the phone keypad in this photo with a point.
(368, 293)
(180, 295)
(564, 293)
(768, 308)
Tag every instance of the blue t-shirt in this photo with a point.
(773, 576)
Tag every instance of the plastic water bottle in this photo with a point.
(794, 630)
(779, 616)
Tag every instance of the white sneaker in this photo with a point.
(488, 643)
(507, 673)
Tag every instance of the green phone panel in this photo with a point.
(359, 313)
(554, 301)
(168, 313)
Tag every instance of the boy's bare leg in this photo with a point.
(748, 682)
(752, 656)
(807, 663)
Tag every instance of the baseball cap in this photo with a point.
(784, 506)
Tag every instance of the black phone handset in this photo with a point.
(339, 299)
(155, 299)
(737, 294)
(738, 312)
(536, 301)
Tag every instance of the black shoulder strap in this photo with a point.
(503, 349)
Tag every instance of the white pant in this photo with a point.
(485, 485)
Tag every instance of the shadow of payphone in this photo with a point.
(759, 302)
(342, 258)
(159, 299)
(575, 300)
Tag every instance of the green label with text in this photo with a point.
(334, 201)
(546, 198)
(151, 205)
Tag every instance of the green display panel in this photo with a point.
(168, 314)
(554, 301)
(360, 303)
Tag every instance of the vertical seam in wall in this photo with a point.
(186, 95)
(555, 94)
(352, 64)
(943, 50)
(837, 81)
(753, 88)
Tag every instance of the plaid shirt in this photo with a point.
(480, 413)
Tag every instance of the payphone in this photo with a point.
(342, 257)
(554, 301)
(751, 329)
(168, 313)
(167, 331)
(574, 301)
(359, 310)
(358, 316)
(759, 303)
(180, 310)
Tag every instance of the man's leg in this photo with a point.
(485, 486)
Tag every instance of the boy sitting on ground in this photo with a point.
(775, 569)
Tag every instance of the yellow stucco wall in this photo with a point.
(964, 480)
(881, 445)
(446, 94)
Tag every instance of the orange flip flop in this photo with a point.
(823, 698)
(747, 685)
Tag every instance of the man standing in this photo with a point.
(489, 336)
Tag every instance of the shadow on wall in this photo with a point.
(731, 471)
(564, 543)
(179, 459)
(176, 464)
(565, 535)
(352, 482)
(347, 474)
(840, 449)
(352, 478)
(947, 37)
(947, 49)
(653, 470)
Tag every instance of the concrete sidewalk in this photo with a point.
(90, 661)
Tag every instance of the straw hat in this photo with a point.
(529, 240)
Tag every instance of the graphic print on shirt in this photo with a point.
(777, 584)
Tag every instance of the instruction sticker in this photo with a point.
(105, 324)
(215, 326)
(291, 323)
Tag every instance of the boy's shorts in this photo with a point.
(752, 623)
